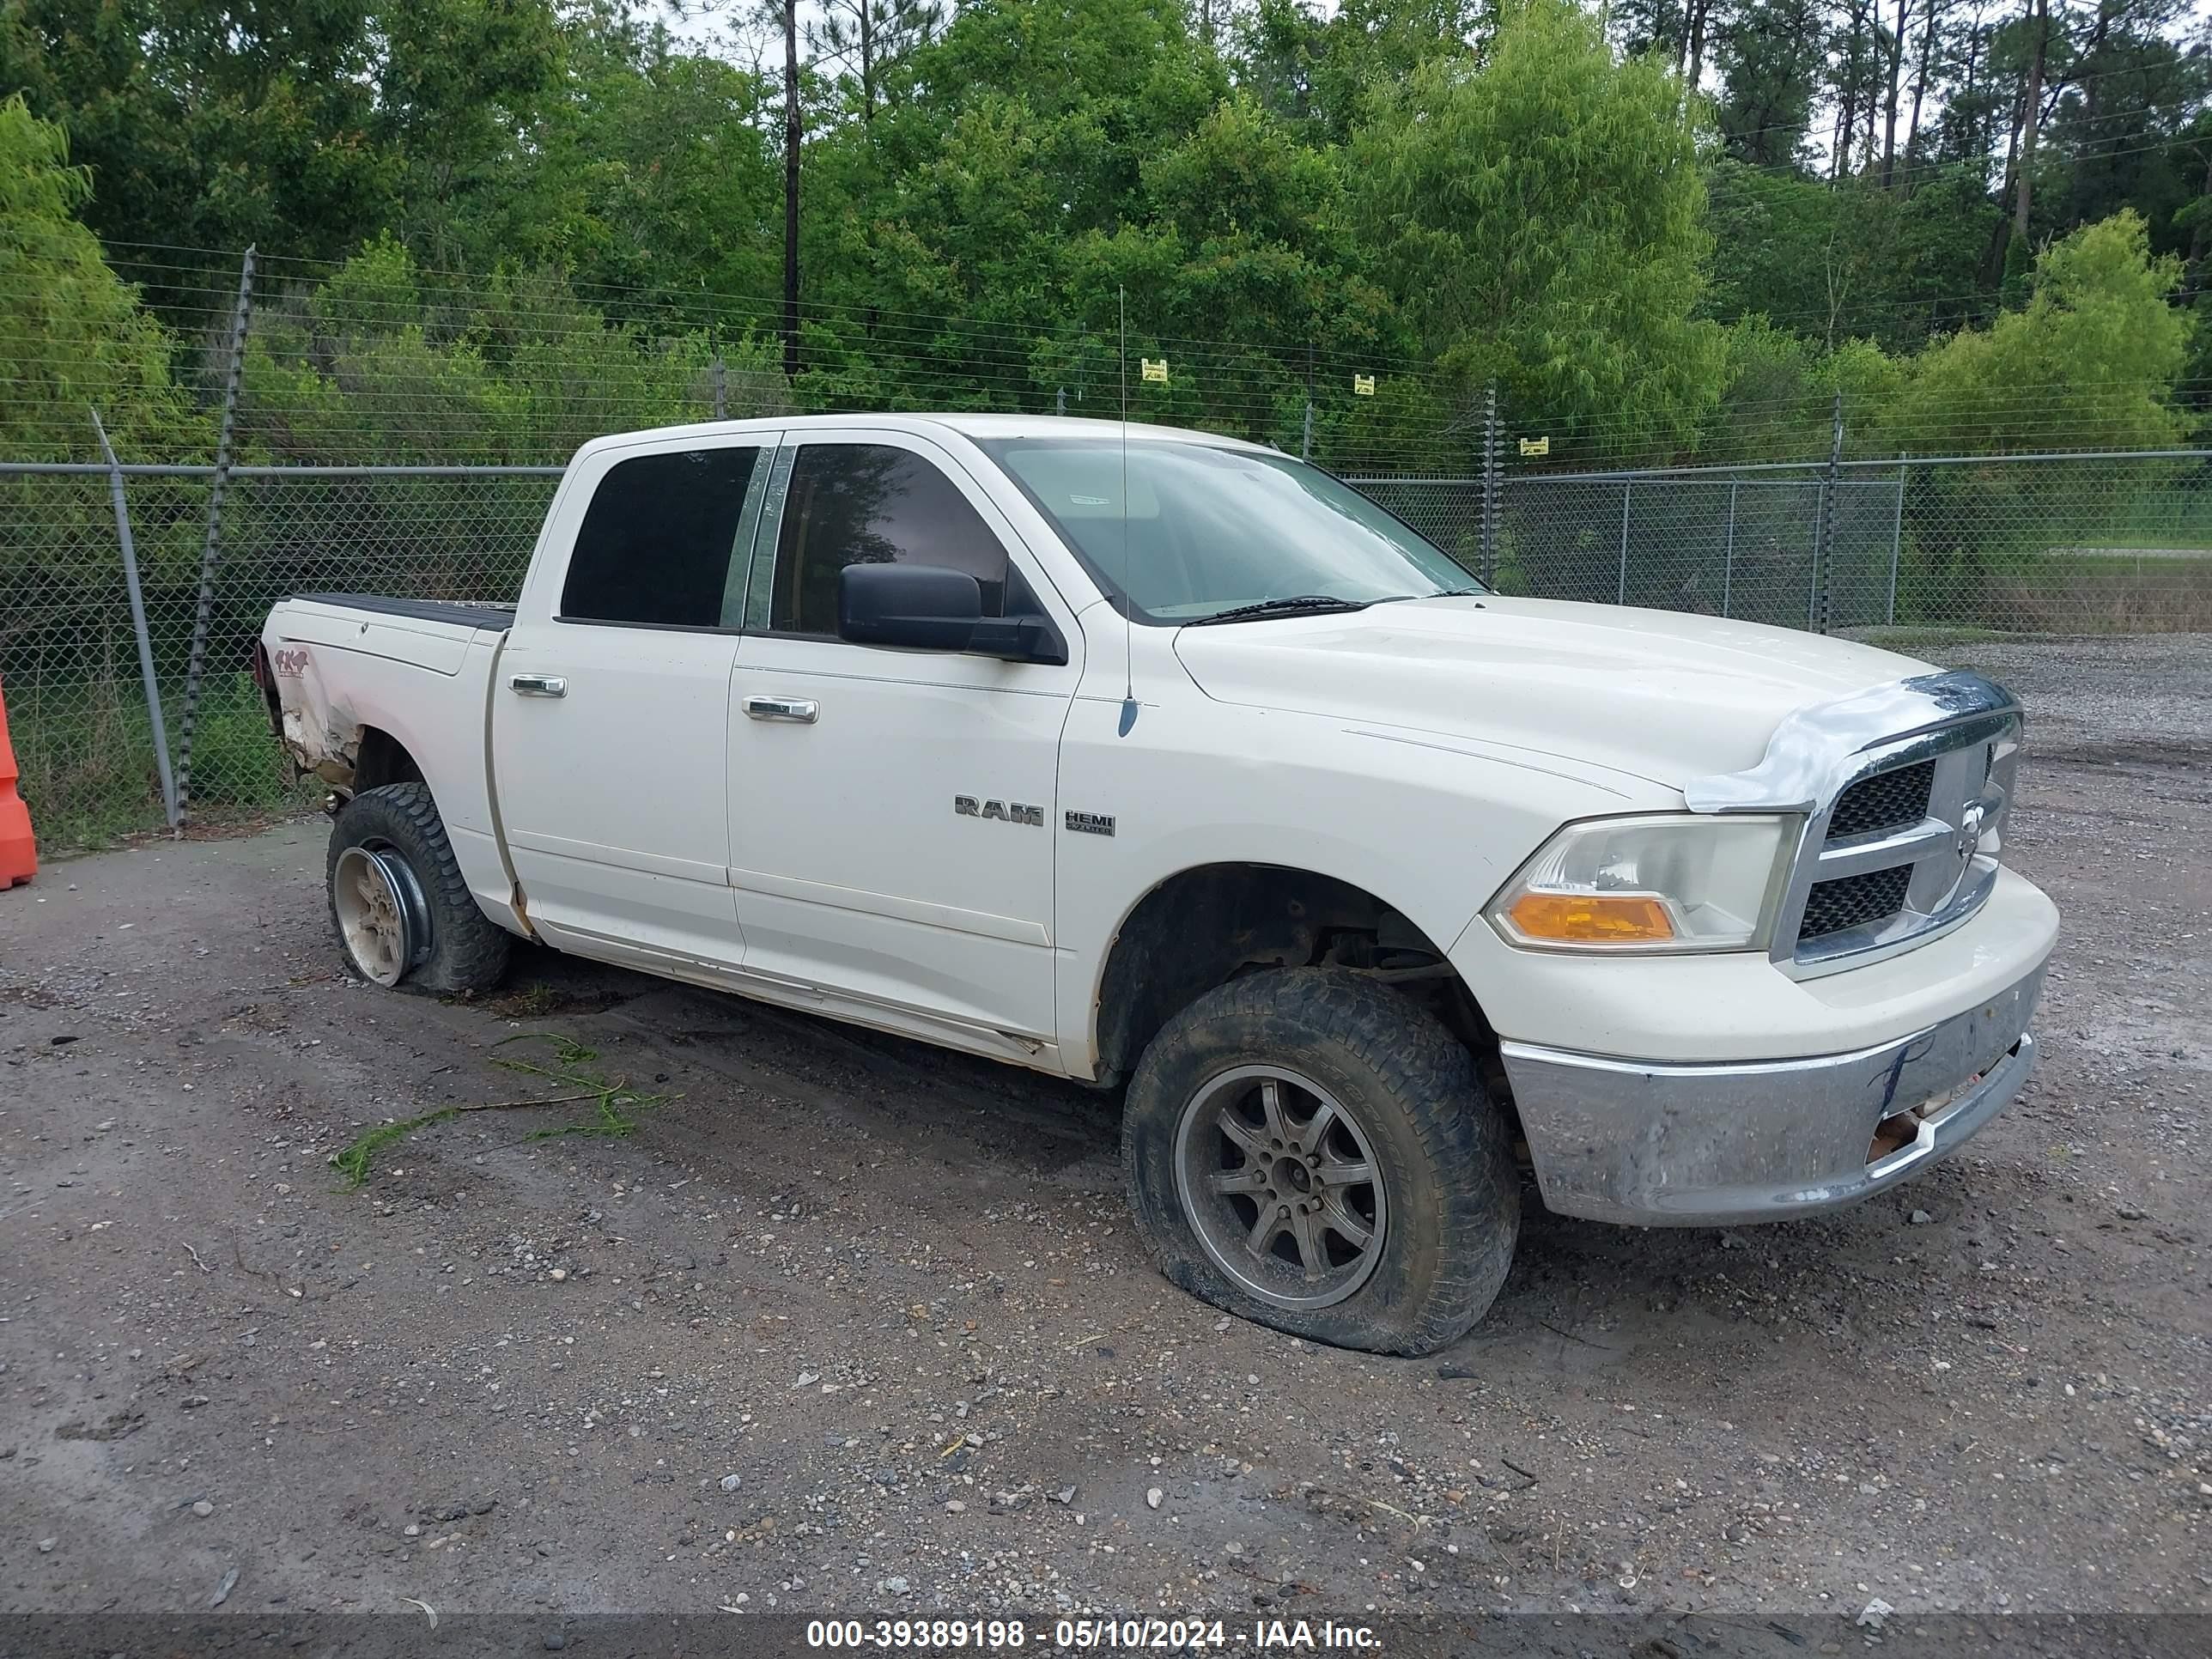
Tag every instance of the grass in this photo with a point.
(614, 1104)
(86, 751)
(2096, 595)
(353, 1161)
(1906, 636)
(532, 1001)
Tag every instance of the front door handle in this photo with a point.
(803, 710)
(539, 685)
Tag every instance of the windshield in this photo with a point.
(1210, 529)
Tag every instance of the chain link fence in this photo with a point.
(1886, 551)
(280, 381)
(81, 721)
(2072, 544)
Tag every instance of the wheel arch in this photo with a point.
(353, 759)
(1211, 923)
(355, 721)
(379, 757)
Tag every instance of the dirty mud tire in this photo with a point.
(453, 949)
(1398, 1096)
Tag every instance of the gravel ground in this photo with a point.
(852, 1325)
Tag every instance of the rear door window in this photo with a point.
(659, 538)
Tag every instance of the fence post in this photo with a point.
(138, 626)
(1728, 548)
(1060, 401)
(1305, 443)
(1813, 576)
(1627, 489)
(719, 377)
(211, 553)
(1896, 539)
(1491, 481)
(1824, 534)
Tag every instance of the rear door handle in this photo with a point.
(539, 685)
(803, 710)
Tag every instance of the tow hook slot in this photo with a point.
(1905, 1132)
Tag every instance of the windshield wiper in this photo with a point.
(1441, 593)
(1309, 604)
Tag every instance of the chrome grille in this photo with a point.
(1903, 790)
(1908, 848)
(1896, 799)
(1835, 907)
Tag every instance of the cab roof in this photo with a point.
(978, 428)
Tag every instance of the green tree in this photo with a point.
(2091, 362)
(302, 125)
(868, 42)
(2131, 82)
(1769, 65)
(73, 336)
(1837, 260)
(459, 84)
(938, 236)
(1542, 221)
(387, 362)
(1245, 257)
(1315, 69)
(656, 171)
(1779, 401)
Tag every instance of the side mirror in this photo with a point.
(925, 605)
(931, 607)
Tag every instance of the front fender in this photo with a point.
(1429, 827)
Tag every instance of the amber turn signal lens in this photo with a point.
(1590, 918)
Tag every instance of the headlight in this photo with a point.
(1676, 883)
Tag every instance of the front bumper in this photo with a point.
(1660, 1144)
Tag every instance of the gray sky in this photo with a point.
(731, 29)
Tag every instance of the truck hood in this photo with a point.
(1658, 694)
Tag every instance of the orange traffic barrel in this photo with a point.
(19, 854)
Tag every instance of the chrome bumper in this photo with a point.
(1664, 1144)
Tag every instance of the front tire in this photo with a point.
(1311, 1150)
(403, 912)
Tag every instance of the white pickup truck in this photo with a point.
(1167, 762)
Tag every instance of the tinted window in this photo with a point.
(658, 538)
(871, 504)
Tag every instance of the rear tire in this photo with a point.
(1280, 1117)
(404, 915)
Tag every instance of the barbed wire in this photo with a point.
(476, 367)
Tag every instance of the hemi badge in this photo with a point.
(1092, 823)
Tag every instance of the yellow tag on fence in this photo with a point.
(1154, 369)
(1363, 386)
(1536, 446)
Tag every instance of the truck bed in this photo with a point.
(463, 613)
